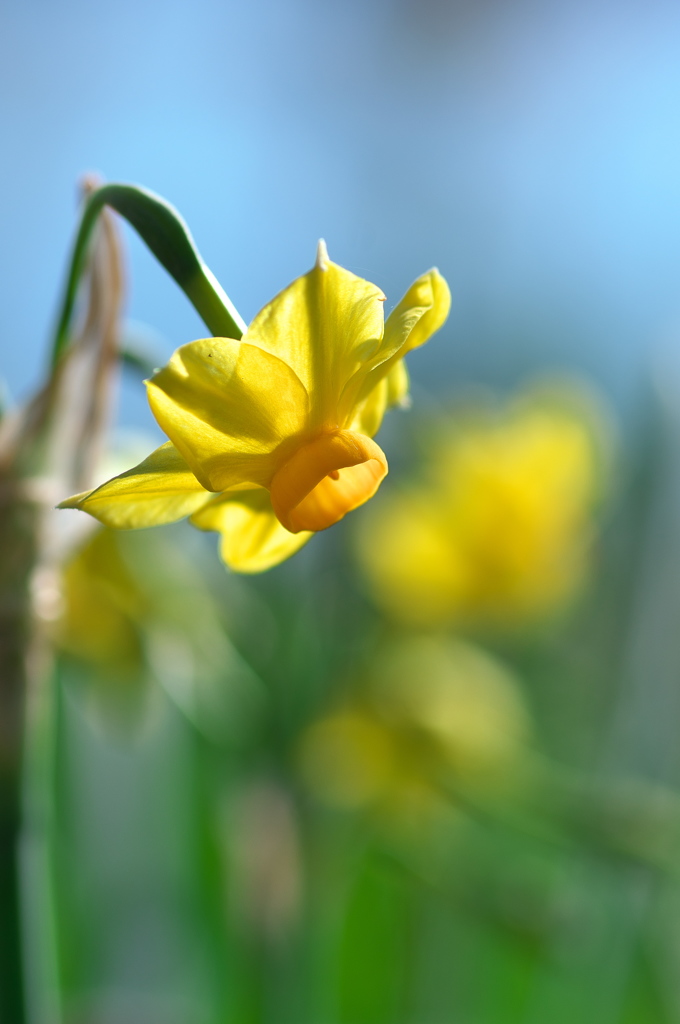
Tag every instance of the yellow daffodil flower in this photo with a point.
(498, 528)
(137, 610)
(103, 607)
(434, 712)
(271, 435)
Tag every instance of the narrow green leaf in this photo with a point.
(168, 237)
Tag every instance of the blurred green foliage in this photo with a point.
(313, 797)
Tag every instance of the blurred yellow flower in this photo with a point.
(435, 712)
(271, 435)
(138, 609)
(499, 529)
(102, 609)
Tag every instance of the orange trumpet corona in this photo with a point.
(326, 478)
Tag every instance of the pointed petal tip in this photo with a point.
(74, 501)
(151, 378)
(322, 259)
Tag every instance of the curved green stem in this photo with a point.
(168, 237)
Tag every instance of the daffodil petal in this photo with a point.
(252, 537)
(390, 390)
(325, 325)
(161, 489)
(369, 415)
(397, 383)
(420, 313)
(228, 406)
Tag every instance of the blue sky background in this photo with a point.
(531, 150)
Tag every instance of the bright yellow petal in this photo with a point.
(397, 382)
(325, 325)
(162, 489)
(390, 390)
(228, 406)
(421, 312)
(369, 415)
(252, 537)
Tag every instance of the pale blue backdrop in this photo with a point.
(531, 150)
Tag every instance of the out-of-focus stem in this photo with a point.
(18, 539)
(12, 1004)
(47, 450)
(39, 926)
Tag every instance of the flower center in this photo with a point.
(325, 479)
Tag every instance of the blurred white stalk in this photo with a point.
(48, 449)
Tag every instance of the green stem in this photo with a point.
(12, 1007)
(166, 234)
(41, 969)
(17, 557)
